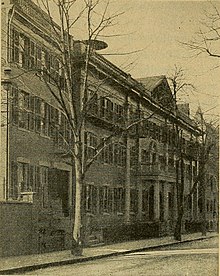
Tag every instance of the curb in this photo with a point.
(29, 268)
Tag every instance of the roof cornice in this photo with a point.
(135, 87)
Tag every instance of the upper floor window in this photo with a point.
(15, 46)
(111, 111)
(93, 103)
(91, 143)
(163, 161)
(33, 113)
(119, 114)
(30, 55)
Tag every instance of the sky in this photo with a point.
(156, 28)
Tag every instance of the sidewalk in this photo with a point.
(20, 264)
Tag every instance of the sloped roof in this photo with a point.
(150, 83)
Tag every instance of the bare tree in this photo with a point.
(207, 39)
(179, 84)
(209, 141)
(72, 94)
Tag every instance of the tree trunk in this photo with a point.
(77, 241)
(127, 183)
(180, 199)
(177, 231)
(203, 195)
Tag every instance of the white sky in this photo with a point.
(159, 26)
(156, 27)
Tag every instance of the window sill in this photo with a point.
(105, 214)
(15, 201)
(24, 129)
(89, 214)
(44, 136)
(120, 214)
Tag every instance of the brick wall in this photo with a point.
(16, 225)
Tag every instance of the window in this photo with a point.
(37, 184)
(145, 157)
(13, 190)
(64, 129)
(189, 202)
(30, 55)
(145, 128)
(106, 196)
(44, 185)
(91, 198)
(32, 113)
(134, 200)
(45, 64)
(108, 154)
(118, 114)
(14, 110)
(119, 200)
(145, 201)
(102, 107)
(133, 156)
(15, 46)
(91, 143)
(154, 158)
(162, 160)
(24, 58)
(23, 178)
(161, 206)
(207, 206)
(171, 163)
(194, 172)
(110, 200)
(183, 145)
(38, 114)
(54, 125)
(23, 109)
(188, 171)
(32, 61)
(93, 103)
(104, 199)
(45, 119)
(164, 134)
(38, 58)
(119, 155)
(170, 204)
(109, 110)
(106, 109)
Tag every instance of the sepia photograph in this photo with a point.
(109, 137)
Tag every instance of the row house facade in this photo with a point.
(130, 189)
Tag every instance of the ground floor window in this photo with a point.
(145, 201)
(91, 198)
(170, 204)
(48, 184)
(119, 200)
(161, 206)
(134, 200)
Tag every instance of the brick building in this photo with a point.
(130, 188)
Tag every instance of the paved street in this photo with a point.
(195, 258)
